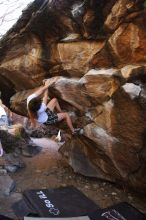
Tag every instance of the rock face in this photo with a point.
(97, 49)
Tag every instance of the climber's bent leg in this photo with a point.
(65, 116)
(54, 104)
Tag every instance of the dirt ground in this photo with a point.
(48, 170)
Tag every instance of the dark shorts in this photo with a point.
(52, 117)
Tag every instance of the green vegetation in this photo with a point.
(144, 4)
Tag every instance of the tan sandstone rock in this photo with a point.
(97, 50)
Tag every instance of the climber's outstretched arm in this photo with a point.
(41, 90)
(45, 97)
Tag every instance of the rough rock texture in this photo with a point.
(7, 185)
(97, 49)
(16, 141)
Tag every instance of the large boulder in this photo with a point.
(97, 51)
(114, 143)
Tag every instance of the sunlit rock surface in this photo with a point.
(97, 49)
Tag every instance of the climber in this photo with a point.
(42, 111)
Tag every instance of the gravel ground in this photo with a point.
(48, 170)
